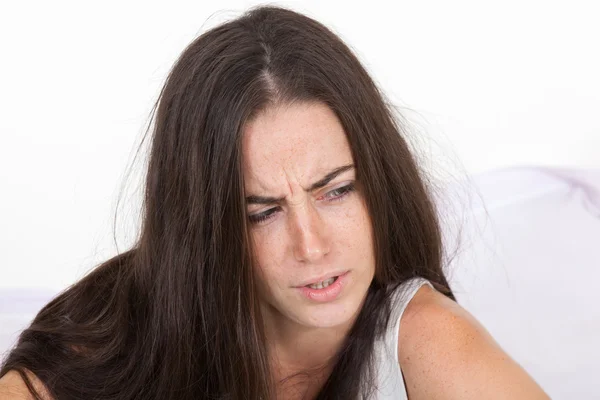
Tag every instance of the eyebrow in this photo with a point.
(317, 185)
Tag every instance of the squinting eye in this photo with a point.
(339, 193)
(263, 216)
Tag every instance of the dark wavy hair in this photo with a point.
(177, 316)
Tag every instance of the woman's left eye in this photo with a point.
(339, 193)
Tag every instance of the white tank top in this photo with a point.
(390, 384)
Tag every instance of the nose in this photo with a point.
(310, 240)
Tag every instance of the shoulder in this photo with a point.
(444, 352)
(13, 385)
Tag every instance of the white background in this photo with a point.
(485, 84)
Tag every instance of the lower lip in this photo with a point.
(327, 294)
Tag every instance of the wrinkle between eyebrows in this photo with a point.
(289, 199)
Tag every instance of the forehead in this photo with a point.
(298, 141)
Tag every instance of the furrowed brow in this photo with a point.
(263, 200)
(329, 177)
(317, 185)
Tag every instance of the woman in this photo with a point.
(289, 247)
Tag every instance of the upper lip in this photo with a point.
(321, 278)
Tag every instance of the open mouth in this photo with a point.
(328, 290)
(324, 284)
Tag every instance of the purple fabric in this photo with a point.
(527, 267)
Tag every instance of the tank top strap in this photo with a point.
(390, 384)
(401, 297)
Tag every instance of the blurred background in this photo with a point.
(501, 101)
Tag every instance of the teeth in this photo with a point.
(322, 285)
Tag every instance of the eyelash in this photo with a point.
(266, 215)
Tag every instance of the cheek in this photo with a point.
(268, 244)
(355, 225)
(356, 238)
(268, 255)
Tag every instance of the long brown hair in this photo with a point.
(177, 316)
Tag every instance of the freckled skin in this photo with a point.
(445, 352)
(285, 150)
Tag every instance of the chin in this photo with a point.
(295, 308)
(331, 314)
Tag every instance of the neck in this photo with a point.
(302, 357)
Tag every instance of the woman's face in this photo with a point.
(307, 221)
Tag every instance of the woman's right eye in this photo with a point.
(263, 216)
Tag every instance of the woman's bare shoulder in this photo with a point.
(444, 352)
(13, 385)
